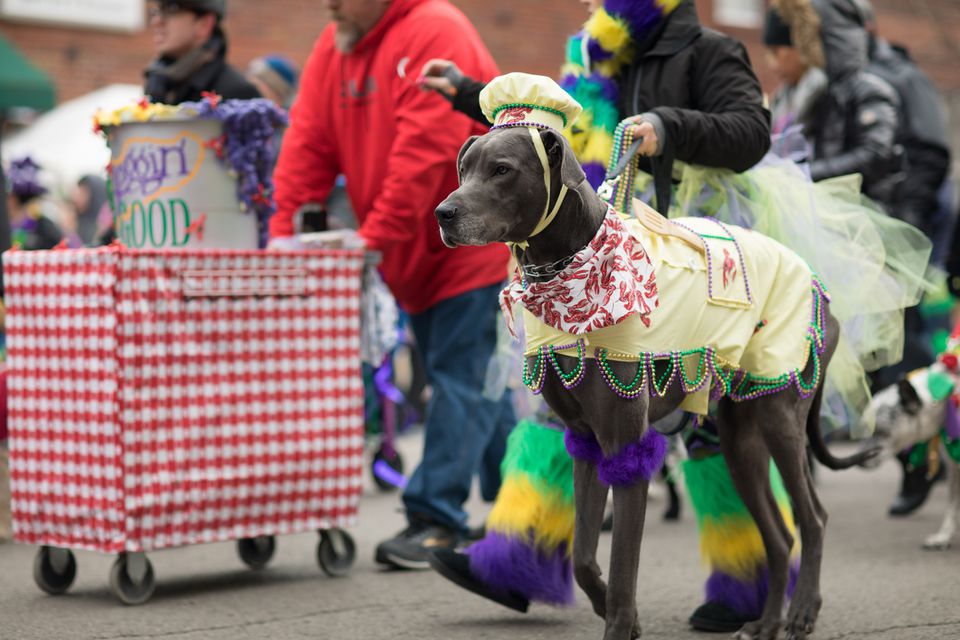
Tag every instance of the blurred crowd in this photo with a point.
(849, 102)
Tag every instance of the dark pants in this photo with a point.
(465, 432)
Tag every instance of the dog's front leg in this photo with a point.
(591, 497)
(629, 509)
(942, 539)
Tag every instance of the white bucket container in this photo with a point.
(171, 191)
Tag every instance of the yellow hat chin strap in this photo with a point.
(548, 215)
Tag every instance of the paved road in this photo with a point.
(877, 584)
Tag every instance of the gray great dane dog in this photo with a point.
(500, 199)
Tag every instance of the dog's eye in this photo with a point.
(501, 170)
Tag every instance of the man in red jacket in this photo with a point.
(360, 112)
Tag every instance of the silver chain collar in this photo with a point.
(544, 270)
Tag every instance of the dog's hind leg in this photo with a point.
(590, 496)
(748, 460)
(787, 446)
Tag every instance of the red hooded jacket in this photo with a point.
(362, 114)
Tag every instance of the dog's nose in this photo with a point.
(446, 212)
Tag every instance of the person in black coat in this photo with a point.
(691, 89)
(918, 194)
(854, 126)
(914, 191)
(191, 51)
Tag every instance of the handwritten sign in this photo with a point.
(146, 169)
(170, 190)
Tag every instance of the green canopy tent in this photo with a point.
(21, 83)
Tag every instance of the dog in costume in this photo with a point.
(730, 542)
(670, 314)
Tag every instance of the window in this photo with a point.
(738, 13)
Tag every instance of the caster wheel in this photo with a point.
(131, 579)
(336, 552)
(387, 469)
(257, 552)
(54, 570)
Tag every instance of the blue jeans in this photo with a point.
(465, 433)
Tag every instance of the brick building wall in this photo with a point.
(523, 35)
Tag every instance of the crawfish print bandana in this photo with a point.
(610, 279)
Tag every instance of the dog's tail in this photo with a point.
(819, 447)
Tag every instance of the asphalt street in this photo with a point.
(878, 584)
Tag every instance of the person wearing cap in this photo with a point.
(191, 49)
(360, 113)
(30, 228)
(275, 77)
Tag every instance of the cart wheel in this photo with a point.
(54, 569)
(257, 552)
(387, 469)
(131, 578)
(336, 552)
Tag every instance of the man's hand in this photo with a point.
(439, 75)
(645, 130)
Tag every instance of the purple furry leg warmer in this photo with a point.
(636, 461)
(508, 564)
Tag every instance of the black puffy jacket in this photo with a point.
(701, 85)
(922, 134)
(855, 123)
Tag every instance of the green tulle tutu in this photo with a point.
(873, 264)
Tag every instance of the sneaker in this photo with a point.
(410, 548)
(455, 567)
(717, 618)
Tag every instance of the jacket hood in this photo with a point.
(828, 33)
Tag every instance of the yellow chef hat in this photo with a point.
(526, 100)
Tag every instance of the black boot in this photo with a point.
(915, 488)
(672, 513)
(715, 617)
(455, 567)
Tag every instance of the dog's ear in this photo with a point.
(463, 151)
(909, 399)
(561, 158)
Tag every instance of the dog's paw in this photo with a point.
(937, 542)
(758, 631)
(802, 617)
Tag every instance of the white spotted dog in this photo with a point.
(908, 413)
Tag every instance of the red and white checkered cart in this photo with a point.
(168, 398)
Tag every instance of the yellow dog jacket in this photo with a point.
(733, 312)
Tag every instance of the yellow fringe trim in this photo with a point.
(735, 547)
(522, 508)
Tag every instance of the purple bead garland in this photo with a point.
(249, 127)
